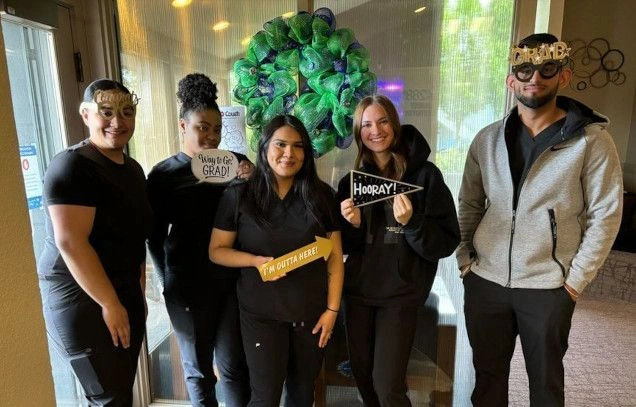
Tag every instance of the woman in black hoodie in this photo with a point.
(393, 247)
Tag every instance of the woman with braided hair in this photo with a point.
(200, 295)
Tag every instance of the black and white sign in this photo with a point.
(367, 189)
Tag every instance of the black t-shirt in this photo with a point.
(523, 149)
(302, 294)
(184, 210)
(81, 175)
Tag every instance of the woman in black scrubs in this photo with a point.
(92, 268)
(200, 295)
(284, 323)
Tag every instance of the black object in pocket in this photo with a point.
(83, 365)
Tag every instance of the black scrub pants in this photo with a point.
(281, 352)
(75, 325)
(380, 341)
(495, 315)
(210, 332)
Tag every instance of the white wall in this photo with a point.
(25, 371)
(613, 20)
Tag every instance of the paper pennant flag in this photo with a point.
(297, 258)
(367, 189)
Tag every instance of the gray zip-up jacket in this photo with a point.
(568, 208)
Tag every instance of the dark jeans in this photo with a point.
(208, 333)
(495, 315)
(281, 352)
(78, 331)
(380, 341)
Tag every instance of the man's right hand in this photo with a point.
(116, 319)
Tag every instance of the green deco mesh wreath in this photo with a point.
(331, 66)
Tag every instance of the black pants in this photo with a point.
(212, 332)
(380, 341)
(75, 325)
(281, 352)
(495, 315)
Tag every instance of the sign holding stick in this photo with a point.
(298, 258)
(215, 166)
(367, 189)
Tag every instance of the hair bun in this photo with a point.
(196, 92)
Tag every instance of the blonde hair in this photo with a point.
(396, 166)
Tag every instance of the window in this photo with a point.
(160, 44)
(38, 115)
(442, 62)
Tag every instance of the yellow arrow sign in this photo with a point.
(298, 258)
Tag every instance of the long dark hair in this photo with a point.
(262, 190)
(396, 166)
(196, 92)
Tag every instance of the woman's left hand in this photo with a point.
(325, 326)
(402, 209)
(245, 169)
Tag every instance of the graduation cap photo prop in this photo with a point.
(367, 189)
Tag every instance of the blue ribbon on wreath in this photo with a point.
(334, 76)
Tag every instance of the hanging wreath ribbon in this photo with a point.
(332, 67)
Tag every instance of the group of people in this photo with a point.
(549, 163)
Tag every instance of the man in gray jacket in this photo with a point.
(539, 208)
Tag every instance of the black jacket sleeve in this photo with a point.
(352, 237)
(433, 230)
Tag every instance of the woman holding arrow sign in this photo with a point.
(269, 227)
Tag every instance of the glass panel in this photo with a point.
(476, 36)
(442, 62)
(37, 111)
(160, 44)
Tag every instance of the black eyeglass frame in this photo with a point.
(550, 64)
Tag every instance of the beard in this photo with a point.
(538, 101)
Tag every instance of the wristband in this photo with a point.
(333, 310)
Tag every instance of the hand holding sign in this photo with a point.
(367, 189)
(273, 269)
(402, 209)
(350, 212)
(245, 170)
(215, 166)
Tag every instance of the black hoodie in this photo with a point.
(393, 265)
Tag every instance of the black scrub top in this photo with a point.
(184, 210)
(82, 175)
(301, 295)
